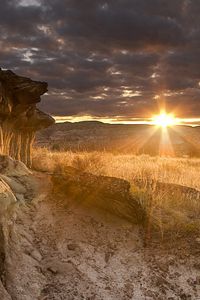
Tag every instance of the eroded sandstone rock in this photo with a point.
(13, 168)
(19, 116)
(17, 185)
(7, 197)
(7, 202)
(107, 193)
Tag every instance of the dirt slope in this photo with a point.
(62, 251)
(56, 249)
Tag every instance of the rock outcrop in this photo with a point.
(19, 116)
(107, 193)
(17, 188)
(7, 201)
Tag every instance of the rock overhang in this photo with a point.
(19, 116)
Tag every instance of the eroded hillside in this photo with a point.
(57, 245)
(120, 138)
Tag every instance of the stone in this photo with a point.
(13, 168)
(52, 269)
(176, 190)
(19, 116)
(15, 186)
(36, 255)
(107, 193)
(72, 247)
(7, 198)
(20, 198)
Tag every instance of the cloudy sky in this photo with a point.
(117, 59)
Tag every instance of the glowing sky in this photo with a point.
(118, 60)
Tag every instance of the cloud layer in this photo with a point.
(123, 58)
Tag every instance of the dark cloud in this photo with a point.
(106, 58)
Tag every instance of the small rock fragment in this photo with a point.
(36, 255)
(72, 247)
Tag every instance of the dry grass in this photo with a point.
(167, 212)
(181, 171)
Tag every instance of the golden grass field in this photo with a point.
(168, 211)
(183, 171)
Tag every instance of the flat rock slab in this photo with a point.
(173, 189)
(107, 193)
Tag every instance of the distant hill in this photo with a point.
(121, 138)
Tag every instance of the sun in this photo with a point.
(164, 120)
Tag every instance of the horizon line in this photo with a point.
(193, 122)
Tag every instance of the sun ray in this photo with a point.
(162, 121)
(138, 141)
(187, 137)
(166, 146)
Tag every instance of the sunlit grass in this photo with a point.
(168, 212)
(184, 171)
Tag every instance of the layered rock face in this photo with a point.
(19, 116)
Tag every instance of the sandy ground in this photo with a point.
(59, 250)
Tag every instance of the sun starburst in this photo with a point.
(164, 120)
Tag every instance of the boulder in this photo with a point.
(16, 187)
(107, 193)
(21, 181)
(13, 168)
(176, 191)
